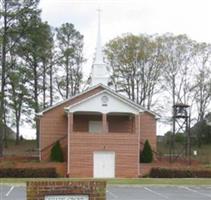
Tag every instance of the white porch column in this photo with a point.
(69, 132)
(105, 123)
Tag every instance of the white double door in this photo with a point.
(104, 164)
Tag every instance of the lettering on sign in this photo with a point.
(67, 197)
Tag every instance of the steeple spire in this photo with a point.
(98, 56)
(99, 71)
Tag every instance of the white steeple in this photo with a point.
(99, 70)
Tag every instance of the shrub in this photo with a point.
(179, 173)
(56, 153)
(146, 156)
(28, 173)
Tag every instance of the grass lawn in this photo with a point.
(141, 181)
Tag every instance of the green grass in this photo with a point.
(141, 181)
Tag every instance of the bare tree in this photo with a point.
(178, 52)
(136, 63)
(202, 79)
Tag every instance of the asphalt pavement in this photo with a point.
(128, 192)
(159, 193)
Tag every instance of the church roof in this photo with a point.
(109, 90)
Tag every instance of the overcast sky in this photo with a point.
(191, 17)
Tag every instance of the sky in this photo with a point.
(191, 17)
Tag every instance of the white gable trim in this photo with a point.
(130, 101)
(66, 100)
(107, 89)
(134, 109)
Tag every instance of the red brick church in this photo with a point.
(101, 132)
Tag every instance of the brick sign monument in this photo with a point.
(66, 190)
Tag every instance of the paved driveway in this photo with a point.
(129, 193)
(158, 193)
(12, 192)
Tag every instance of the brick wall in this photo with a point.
(148, 129)
(120, 124)
(53, 124)
(81, 122)
(83, 145)
(145, 168)
(37, 190)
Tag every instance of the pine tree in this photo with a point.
(69, 44)
(36, 44)
(146, 155)
(15, 16)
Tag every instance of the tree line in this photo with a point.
(157, 71)
(41, 64)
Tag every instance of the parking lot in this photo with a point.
(158, 193)
(129, 192)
